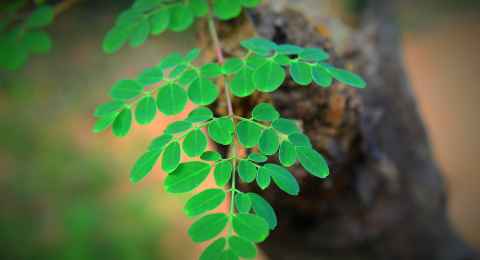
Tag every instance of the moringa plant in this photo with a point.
(251, 141)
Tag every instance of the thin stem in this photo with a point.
(219, 53)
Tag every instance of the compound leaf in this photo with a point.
(268, 77)
(144, 165)
(282, 178)
(263, 209)
(171, 99)
(207, 227)
(221, 130)
(248, 133)
(123, 122)
(125, 89)
(204, 201)
(146, 110)
(250, 227)
(312, 161)
(171, 157)
(242, 247)
(265, 112)
(187, 176)
(223, 172)
(203, 92)
(247, 171)
(195, 143)
(268, 143)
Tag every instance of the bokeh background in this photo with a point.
(65, 194)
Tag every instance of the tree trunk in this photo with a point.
(385, 198)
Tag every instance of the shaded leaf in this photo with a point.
(269, 142)
(247, 171)
(187, 176)
(243, 202)
(301, 73)
(146, 110)
(181, 18)
(242, 247)
(312, 161)
(268, 77)
(250, 227)
(256, 157)
(203, 92)
(265, 112)
(39, 18)
(140, 33)
(248, 133)
(287, 154)
(214, 250)
(285, 126)
(211, 156)
(347, 77)
(282, 178)
(123, 122)
(160, 21)
(263, 209)
(223, 172)
(125, 89)
(221, 130)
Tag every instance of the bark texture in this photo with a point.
(385, 198)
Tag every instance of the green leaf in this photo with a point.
(263, 209)
(227, 9)
(211, 70)
(204, 201)
(321, 77)
(146, 110)
(282, 60)
(346, 77)
(248, 133)
(255, 61)
(115, 39)
(159, 143)
(268, 143)
(229, 255)
(256, 157)
(140, 33)
(263, 178)
(203, 92)
(178, 127)
(160, 21)
(251, 3)
(214, 250)
(243, 202)
(312, 161)
(242, 83)
(265, 112)
(151, 76)
(171, 157)
(301, 73)
(187, 77)
(128, 17)
(125, 89)
(313, 54)
(250, 227)
(288, 49)
(39, 18)
(199, 7)
(212, 156)
(242, 247)
(171, 99)
(181, 18)
(286, 154)
(144, 165)
(282, 178)
(12, 54)
(177, 71)
(187, 176)
(108, 108)
(232, 65)
(192, 55)
(199, 114)
(195, 143)
(223, 172)
(260, 46)
(37, 42)
(268, 77)
(247, 171)
(104, 122)
(221, 130)
(171, 60)
(123, 122)
(207, 227)
(285, 126)
(299, 139)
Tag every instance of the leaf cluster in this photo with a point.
(24, 38)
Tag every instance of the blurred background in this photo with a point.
(65, 193)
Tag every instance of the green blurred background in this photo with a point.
(65, 194)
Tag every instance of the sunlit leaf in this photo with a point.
(203, 92)
(195, 143)
(312, 161)
(160, 142)
(282, 178)
(232, 65)
(285, 126)
(223, 172)
(227, 9)
(301, 73)
(123, 122)
(146, 110)
(265, 112)
(299, 139)
(242, 247)
(144, 165)
(313, 54)
(248, 133)
(242, 84)
(187, 176)
(221, 130)
(171, 157)
(207, 227)
(321, 77)
(199, 114)
(286, 154)
(160, 21)
(211, 156)
(181, 18)
(125, 89)
(256, 157)
(247, 171)
(204, 201)
(268, 77)
(178, 127)
(263, 178)
(250, 227)
(268, 143)
(171, 99)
